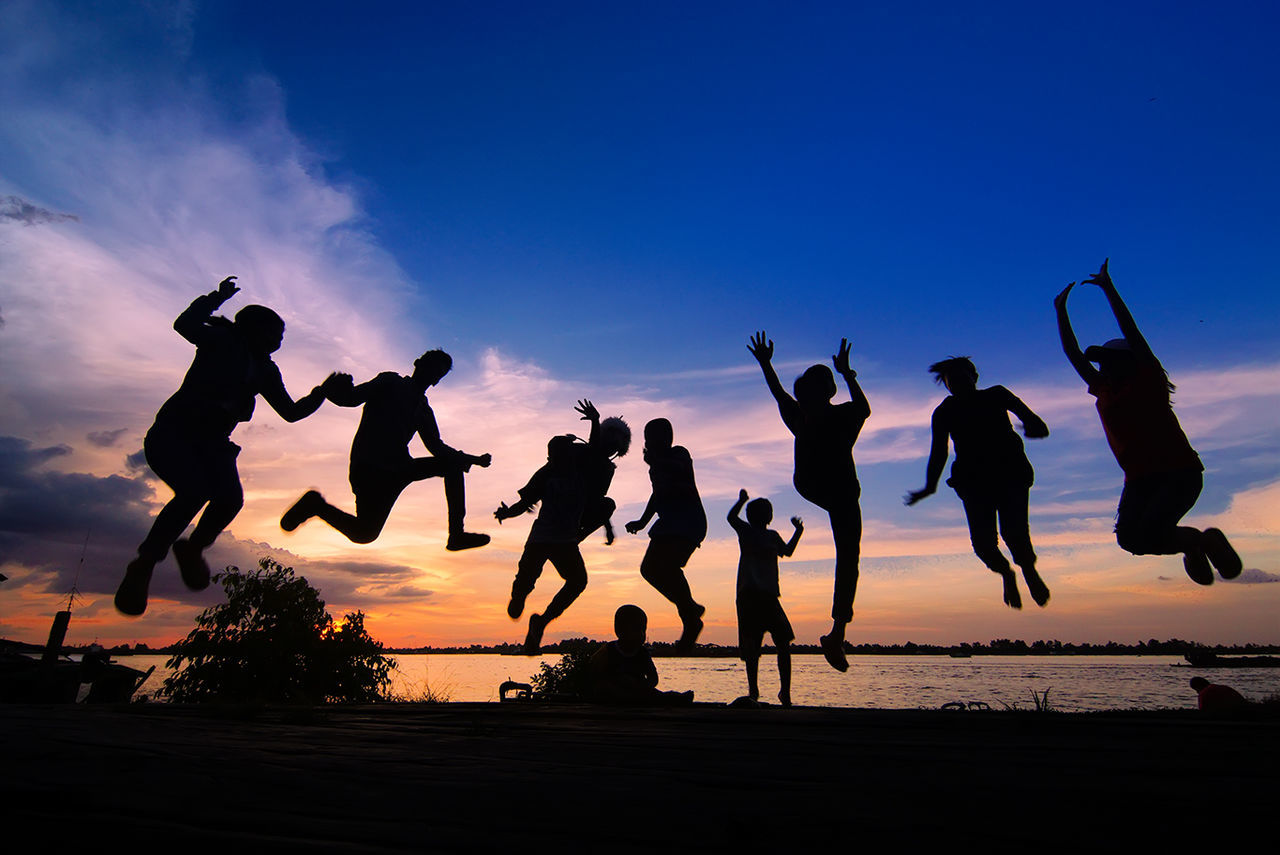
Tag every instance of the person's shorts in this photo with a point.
(758, 614)
(192, 465)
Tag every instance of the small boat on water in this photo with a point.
(57, 679)
(1207, 659)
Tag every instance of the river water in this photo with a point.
(1073, 683)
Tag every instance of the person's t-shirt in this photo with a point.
(1141, 428)
(758, 558)
(675, 495)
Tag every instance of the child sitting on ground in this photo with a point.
(622, 671)
(759, 609)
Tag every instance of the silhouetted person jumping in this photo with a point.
(1162, 472)
(681, 525)
(991, 473)
(825, 473)
(395, 408)
(559, 487)
(758, 598)
(608, 439)
(189, 446)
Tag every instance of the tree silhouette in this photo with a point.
(273, 641)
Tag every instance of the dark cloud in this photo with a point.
(137, 464)
(19, 210)
(46, 517)
(1254, 576)
(106, 438)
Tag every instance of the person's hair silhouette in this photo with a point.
(758, 594)
(1162, 472)
(991, 473)
(681, 525)
(189, 445)
(824, 469)
(395, 408)
(607, 440)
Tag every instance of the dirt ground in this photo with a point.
(486, 777)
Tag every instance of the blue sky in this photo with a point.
(586, 201)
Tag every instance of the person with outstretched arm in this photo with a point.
(395, 408)
(189, 445)
(991, 473)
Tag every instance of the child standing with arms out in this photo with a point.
(759, 607)
(1163, 474)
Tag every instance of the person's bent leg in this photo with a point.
(567, 560)
(455, 497)
(224, 504)
(529, 568)
(1147, 520)
(1015, 528)
(174, 517)
(980, 513)
(663, 568)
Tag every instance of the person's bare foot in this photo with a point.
(784, 698)
(1036, 587)
(1012, 598)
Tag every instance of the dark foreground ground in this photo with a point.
(487, 777)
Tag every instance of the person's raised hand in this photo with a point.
(227, 288)
(761, 347)
(841, 359)
(1102, 278)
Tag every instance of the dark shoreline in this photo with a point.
(471, 777)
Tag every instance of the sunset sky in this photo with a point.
(605, 201)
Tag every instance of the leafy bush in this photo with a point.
(273, 641)
(569, 675)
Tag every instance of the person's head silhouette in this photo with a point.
(631, 625)
(759, 512)
(957, 373)
(815, 387)
(615, 436)
(430, 367)
(658, 435)
(261, 327)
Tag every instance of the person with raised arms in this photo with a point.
(824, 470)
(1163, 475)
